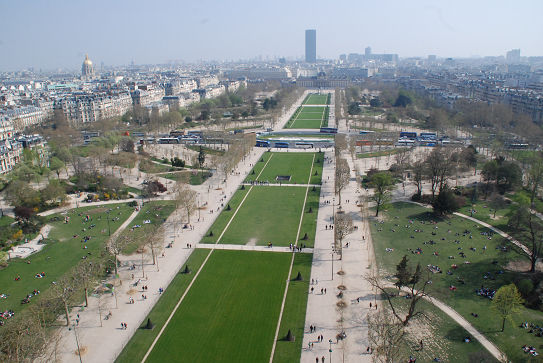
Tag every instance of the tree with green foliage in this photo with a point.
(375, 102)
(201, 156)
(507, 301)
(402, 273)
(354, 109)
(383, 185)
(56, 165)
(403, 100)
(445, 202)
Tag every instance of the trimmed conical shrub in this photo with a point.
(187, 270)
(253, 173)
(314, 189)
(262, 160)
(210, 233)
(149, 325)
(316, 172)
(228, 208)
(242, 186)
(289, 337)
(305, 237)
(310, 210)
(318, 161)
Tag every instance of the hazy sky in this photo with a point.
(57, 33)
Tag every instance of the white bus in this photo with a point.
(168, 140)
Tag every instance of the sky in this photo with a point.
(51, 34)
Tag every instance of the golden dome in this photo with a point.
(87, 61)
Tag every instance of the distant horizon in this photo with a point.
(58, 35)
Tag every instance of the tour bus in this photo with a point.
(329, 130)
(168, 140)
(263, 143)
(384, 142)
(177, 133)
(138, 134)
(366, 132)
(148, 140)
(281, 144)
(406, 142)
(429, 143)
(195, 133)
(408, 135)
(428, 135)
(305, 145)
(518, 146)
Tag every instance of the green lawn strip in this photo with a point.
(59, 256)
(298, 165)
(142, 339)
(485, 215)
(269, 214)
(378, 153)
(258, 165)
(316, 100)
(6, 221)
(222, 220)
(307, 124)
(464, 300)
(149, 211)
(230, 313)
(441, 335)
(188, 177)
(317, 168)
(309, 221)
(133, 190)
(294, 312)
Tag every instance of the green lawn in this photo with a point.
(6, 221)
(375, 154)
(188, 176)
(231, 311)
(60, 256)
(316, 100)
(464, 300)
(140, 343)
(294, 312)
(268, 214)
(298, 165)
(313, 117)
(148, 212)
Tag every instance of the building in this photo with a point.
(513, 56)
(432, 58)
(261, 73)
(323, 81)
(367, 52)
(87, 70)
(311, 46)
(352, 72)
(10, 155)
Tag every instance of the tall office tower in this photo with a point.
(367, 52)
(513, 56)
(311, 46)
(432, 58)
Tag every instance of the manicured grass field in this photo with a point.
(308, 117)
(140, 343)
(298, 165)
(60, 256)
(464, 300)
(316, 100)
(294, 312)
(231, 312)
(268, 214)
(148, 212)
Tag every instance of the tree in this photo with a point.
(354, 109)
(439, 166)
(86, 273)
(126, 144)
(201, 156)
(445, 202)
(115, 245)
(64, 290)
(507, 301)
(418, 175)
(469, 157)
(383, 185)
(185, 198)
(534, 177)
(402, 273)
(402, 101)
(528, 230)
(343, 176)
(386, 336)
(497, 202)
(375, 102)
(415, 284)
(343, 226)
(56, 165)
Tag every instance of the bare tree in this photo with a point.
(87, 274)
(64, 290)
(115, 245)
(343, 176)
(343, 226)
(386, 335)
(185, 198)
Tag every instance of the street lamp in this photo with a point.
(330, 341)
(108, 227)
(332, 265)
(333, 209)
(77, 342)
(198, 195)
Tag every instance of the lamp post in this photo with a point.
(330, 341)
(198, 195)
(77, 342)
(332, 265)
(108, 227)
(333, 209)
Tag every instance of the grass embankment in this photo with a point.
(58, 257)
(490, 262)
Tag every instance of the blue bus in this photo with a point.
(263, 143)
(281, 144)
(366, 132)
(408, 135)
(329, 130)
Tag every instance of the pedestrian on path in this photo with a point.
(325, 290)
(322, 359)
(312, 288)
(370, 305)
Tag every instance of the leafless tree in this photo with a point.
(343, 176)
(115, 245)
(64, 290)
(386, 335)
(343, 226)
(185, 198)
(86, 273)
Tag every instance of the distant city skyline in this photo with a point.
(51, 35)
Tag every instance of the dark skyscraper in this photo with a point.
(311, 46)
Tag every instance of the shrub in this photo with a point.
(525, 287)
